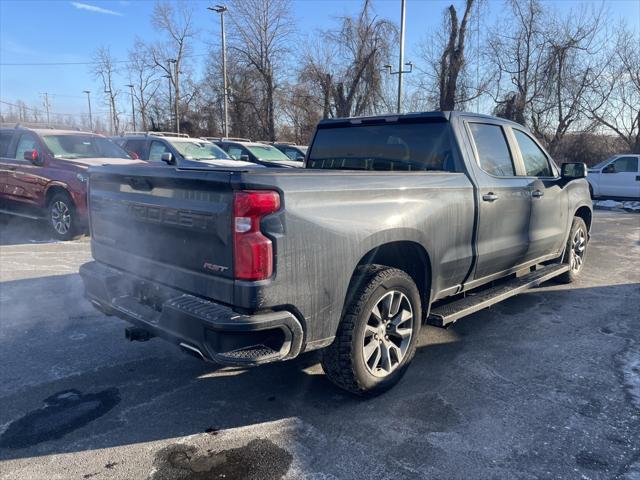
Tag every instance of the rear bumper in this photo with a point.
(215, 331)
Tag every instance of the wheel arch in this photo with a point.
(54, 189)
(408, 256)
(585, 214)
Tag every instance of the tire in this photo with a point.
(575, 251)
(361, 359)
(61, 217)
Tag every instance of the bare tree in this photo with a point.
(614, 100)
(452, 59)
(176, 21)
(144, 76)
(260, 38)
(517, 50)
(347, 70)
(570, 66)
(105, 69)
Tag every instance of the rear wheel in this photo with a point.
(62, 217)
(376, 339)
(575, 251)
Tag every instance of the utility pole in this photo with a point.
(401, 63)
(221, 9)
(133, 110)
(89, 102)
(46, 105)
(170, 100)
(177, 95)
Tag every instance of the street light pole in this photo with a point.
(401, 62)
(401, 58)
(89, 102)
(221, 9)
(133, 109)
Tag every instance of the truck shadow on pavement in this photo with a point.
(71, 383)
(19, 231)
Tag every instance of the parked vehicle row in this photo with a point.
(390, 217)
(43, 171)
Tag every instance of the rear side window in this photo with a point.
(626, 164)
(535, 161)
(5, 141)
(493, 152)
(135, 146)
(388, 147)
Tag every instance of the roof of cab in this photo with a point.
(393, 117)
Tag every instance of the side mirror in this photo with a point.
(611, 168)
(168, 158)
(300, 158)
(244, 157)
(573, 170)
(33, 156)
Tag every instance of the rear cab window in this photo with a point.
(415, 146)
(492, 149)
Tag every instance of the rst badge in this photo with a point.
(212, 267)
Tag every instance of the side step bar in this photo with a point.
(20, 214)
(444, 315)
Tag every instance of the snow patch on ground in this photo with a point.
(627, 205)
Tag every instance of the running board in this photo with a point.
(444, 315)
(20, 214)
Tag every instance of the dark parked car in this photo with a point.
(390, 223)
(43, 174)
(291, 150)
(256, 152)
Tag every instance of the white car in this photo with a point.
(617, 176)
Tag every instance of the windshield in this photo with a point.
(200, 151)
(268, 153)
(83, 146)
(410, 146)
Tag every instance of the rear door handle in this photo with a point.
(489, 197)
(537, 194)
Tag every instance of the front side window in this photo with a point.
(422, 146)
(626, 164)
(493, 152)
(156, 151)
(235, 152)
(27, 143)
(535, 160)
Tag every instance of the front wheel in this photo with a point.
(377, 336)
(575, 251)
(62, 217)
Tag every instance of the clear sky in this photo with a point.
(70, 31)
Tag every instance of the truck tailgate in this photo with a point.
(168, 225)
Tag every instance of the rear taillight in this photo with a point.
(252, 251)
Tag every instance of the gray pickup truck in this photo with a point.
(391, 222)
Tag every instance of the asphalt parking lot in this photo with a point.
(545, 385)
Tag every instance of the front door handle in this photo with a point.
(489, 197)
(637, 178)
(537, 194)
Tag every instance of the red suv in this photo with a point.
(43, 174)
